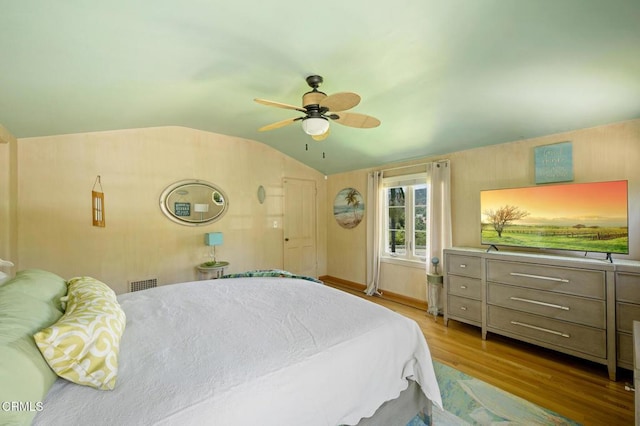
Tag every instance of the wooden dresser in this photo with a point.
(627, 310)
(561, 303)
(636, 370)
(464, 289)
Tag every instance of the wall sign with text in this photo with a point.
(554, 163)
(182, 209)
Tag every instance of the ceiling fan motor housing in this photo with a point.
(312, 98)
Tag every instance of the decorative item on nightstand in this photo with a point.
(212, 269)
(213, 239)
(434, 286)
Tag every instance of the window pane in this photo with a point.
(396, 242)
(420, 247)
(396, 217)
(396, 225)
(420, 218)
(395, 196)
(420, 195)
(420, 221)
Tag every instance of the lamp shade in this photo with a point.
(213, 239)
(315, 125)
(201, 208)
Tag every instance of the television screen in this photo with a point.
(589, 217)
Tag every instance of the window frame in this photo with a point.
(410, 183)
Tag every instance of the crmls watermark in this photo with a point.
(21, 406)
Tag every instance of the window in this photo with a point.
(405, 221)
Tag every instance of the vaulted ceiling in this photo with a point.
(441, 75)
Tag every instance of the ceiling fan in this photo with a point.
(318, 108)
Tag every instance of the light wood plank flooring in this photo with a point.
(578, 389)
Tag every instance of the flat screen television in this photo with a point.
(586, 217)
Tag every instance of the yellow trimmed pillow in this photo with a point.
(83, 345)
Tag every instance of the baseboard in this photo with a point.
(388, 295)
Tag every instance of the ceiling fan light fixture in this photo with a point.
(315, 126)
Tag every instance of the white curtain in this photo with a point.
(374, 225)
(7, 264)
(439, 202)
(439, 226)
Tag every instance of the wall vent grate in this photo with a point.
(143, 284)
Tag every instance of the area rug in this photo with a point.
(469, 401)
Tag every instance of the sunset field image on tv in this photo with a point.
(588, 217)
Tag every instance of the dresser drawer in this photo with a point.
(564, 307)
(581, 282)
(625, 348)
(468, 266)
(464, 286)
(625, 315)
(588, 340)
(464, 308)
(627, 287)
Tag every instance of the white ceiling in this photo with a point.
(441, 75)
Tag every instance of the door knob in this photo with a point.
(286, 239)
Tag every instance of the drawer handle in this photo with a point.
(546, 330)
(463, 308)
(539, 277)
(463, 265)
(464, 287)
(537, 302)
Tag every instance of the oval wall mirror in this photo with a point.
(193, 202)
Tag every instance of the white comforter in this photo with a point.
(246, 351)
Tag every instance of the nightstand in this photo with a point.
(212, 272)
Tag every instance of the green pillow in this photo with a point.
(28, 302)
(39, 284)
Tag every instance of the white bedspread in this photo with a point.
(245, 351)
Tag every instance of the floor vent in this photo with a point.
(143, 284)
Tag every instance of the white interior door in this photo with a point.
(300, 227)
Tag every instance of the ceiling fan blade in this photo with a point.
(279, 105)
(340, 101)
(279, 124)
(353, 119)
(322, 136)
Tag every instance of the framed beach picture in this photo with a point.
(348, 208)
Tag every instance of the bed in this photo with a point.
(252, 350)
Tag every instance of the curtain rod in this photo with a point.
(413, 165)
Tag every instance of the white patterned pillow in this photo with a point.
(83, 345)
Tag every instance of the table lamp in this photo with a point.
(213, 239)
(201, 208)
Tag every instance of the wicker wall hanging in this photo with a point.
(97, 203)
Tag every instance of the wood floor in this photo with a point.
(577, 389)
